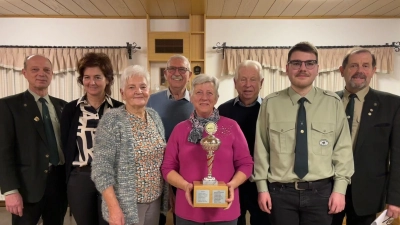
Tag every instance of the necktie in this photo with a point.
(350, 110)
(51, 138)
(301, 155)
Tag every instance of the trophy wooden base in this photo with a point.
(210, 196)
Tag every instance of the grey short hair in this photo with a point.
(249, 63)
(204, 78)
(181, 57)
(132, 71)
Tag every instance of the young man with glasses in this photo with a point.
(303, 158)
(173, 105)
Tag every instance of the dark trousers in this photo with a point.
(303, 207)
(84, 199)
(351, 217)
(53, 205)
(248, 197)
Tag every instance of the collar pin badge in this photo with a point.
(36, 119)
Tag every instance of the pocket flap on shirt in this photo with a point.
(282, 127)
(321, 127)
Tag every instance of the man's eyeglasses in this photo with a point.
(296, 64)
(181, 70)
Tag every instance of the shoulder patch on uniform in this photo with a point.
(332, 94)
(272, 95)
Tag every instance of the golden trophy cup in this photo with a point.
(210, 192)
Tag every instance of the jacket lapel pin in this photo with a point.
(36, 119)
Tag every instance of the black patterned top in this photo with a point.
(88, 120)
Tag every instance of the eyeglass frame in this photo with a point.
(305, 64)
(172, 69)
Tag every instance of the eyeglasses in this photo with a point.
(296, 64)
(181, 70)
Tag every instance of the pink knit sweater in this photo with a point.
(190, 161)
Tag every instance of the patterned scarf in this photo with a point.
(198, 124)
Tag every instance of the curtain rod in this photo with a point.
(221, 47)
(130, 47)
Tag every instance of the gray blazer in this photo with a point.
(113, 161)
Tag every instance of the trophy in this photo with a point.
(210, 192)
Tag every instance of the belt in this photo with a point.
(304, 185)
(87, 168)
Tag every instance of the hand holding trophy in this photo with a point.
(210, 192)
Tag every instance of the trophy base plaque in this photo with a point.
(210, 196)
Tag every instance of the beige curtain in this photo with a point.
(328, 60)
(64, 84)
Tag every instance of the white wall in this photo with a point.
(76, 32)
(286, 32)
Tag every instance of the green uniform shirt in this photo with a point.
(358, 105)
(329, 142)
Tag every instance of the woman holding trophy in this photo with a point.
(208, 152)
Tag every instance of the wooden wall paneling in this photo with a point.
(394, 12)
(387, 8)
(152, 8)
(105, 8)
(373, 7)
(26, 7)
(197, 23)
(120, 7)
(4, 11)
(57, 7)
(231, 8)
(44, 8)
(310, 7)
(168, 8)
(246, 7)
(294, 7)
(74, 7)
(278, 7)
(214, 7)
(341, 7)
(89, 7)
(262, 7)
(197, 47)
(198, 7)
(183, 8)
(136, 7)
(326, 7)
(14, 9)
(357, 7)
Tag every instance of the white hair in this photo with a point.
(204, 78)
(249, 63)
(132, 71)
(181, 57)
